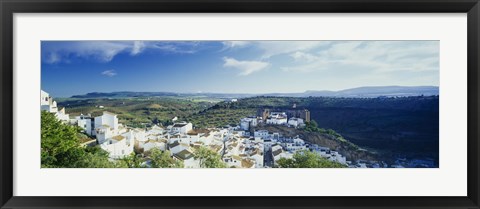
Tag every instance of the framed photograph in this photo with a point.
(235, 104)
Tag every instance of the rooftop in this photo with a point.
(174, 144)
(184, 155)
(236, 157)
(177, 125)
(118, 137)
(247, 163)
(198, 131)
(277, 152)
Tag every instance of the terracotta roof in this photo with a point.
(247, 163)
(118, 137)
(216, 148)
(236, 157)
(198, 131)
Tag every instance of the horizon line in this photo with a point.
(201, 92)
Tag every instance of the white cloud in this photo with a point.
(245, 67)
(138, 47)
(379, 56)
(109, 73)
(303, 57)
(105, 51)
(235, 44)
(52, 58)
(102, 51)
(273, 48)
(178, 47)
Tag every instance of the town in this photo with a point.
(241, 146)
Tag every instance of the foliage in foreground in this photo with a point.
(162, 159)
(60, 147)
(307, 159)
(208, 158)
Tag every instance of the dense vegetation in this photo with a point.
(162, 159)
(138, 112)
(60, 147)
(312, 126)
(212, 118)
(307, 159)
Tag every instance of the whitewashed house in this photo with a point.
(295, 122)
(140, 138)
(188, 159)
(108, 119)
(182, 127)
(247, 123)
(177, 147)
(161, 145)
(119, 146)
(103, 133)
(257, 155)
(278, 153)
(86, 123)
(62, 116)
(261, 134)
(292, 147)
(277, 118)
(48, 104)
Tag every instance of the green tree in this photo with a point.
(60, 146)
(208, 158)
(132, 161)
(307, 159)
(162, 159)
(311, 126)
(95, 157)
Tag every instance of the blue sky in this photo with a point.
(78, 67)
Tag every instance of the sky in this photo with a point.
(79, 67)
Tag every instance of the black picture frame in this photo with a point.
(9, 7)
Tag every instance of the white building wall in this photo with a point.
(258, 160)
(44, 98)
(184, 129)
(117, 150)
(107, 119)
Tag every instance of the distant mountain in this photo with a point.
(376, 91)
(366, 92)
(124, 94)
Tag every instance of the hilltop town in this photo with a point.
(239, 146)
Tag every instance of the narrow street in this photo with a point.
(268, 158)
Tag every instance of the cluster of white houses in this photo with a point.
(237, 146)
(48, 104)
(274, 118)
